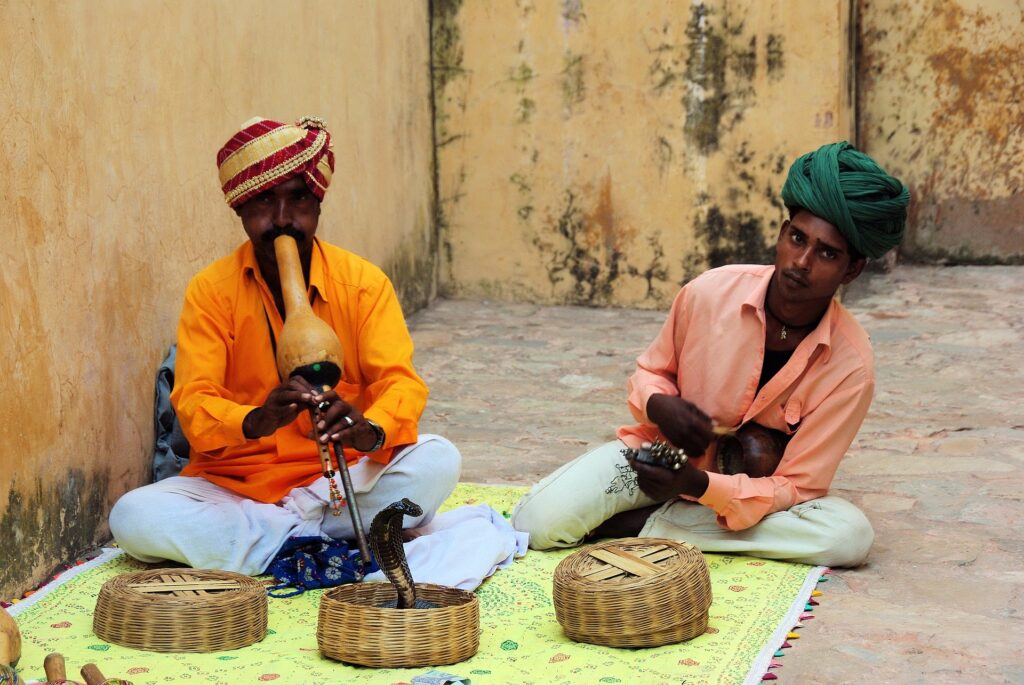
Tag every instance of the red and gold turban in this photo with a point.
(266, 153)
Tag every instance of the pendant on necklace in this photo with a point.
(782, 333)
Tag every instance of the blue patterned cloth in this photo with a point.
(309, 563)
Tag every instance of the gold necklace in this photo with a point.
(789, 326)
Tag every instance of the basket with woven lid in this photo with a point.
(633, 592)
(181, 610)
(357, 626)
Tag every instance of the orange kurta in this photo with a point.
(225, 368)
(710, 352)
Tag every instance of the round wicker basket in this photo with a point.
(354, 628)
(181, 610)
(633, 592)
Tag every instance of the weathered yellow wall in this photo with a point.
(605, 152)
(111, 114)
(941, 92)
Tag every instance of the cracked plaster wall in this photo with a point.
(941, 105)
(111, 115)
(604, 153)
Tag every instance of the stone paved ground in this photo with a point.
(938, 466)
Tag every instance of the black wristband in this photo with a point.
(379, 432)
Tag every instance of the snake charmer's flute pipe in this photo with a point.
(357, 523)
(309, 348)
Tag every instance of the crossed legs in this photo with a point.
(195, 522)
(597, 495)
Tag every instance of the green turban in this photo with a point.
(848, 189)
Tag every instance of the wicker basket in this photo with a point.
(181, 610)
(354, 628)
(633, 592)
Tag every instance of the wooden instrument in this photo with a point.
(753, 450)
(92, 675)
(54, 667)
(10, 640)
(309, 348)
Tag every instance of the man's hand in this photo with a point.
(281, 408)
(343, 423)
(681, 422)
(663, 484)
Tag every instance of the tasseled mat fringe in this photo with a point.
(806, 614)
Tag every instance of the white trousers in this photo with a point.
(190, 520)
(563, 508)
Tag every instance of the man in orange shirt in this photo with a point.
(255, 477)
(767, 345)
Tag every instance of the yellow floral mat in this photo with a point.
(755, 605)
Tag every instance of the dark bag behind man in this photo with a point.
(170, 449)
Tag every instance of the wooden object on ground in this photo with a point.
(633, 592)
(354, 628)
(54, 667)
(92, 675)
(10, 640)
(306, 340)
(182, 610)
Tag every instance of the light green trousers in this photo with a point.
(563, 508)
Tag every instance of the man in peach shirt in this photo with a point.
(255, 477)
(766, 345)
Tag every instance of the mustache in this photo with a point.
(278, 231)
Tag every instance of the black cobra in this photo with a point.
(385, 540)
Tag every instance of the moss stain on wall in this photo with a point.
(775, 58)
(728, 239)
(61, 517)
(573, 88)
(520, 77)
(941, 101)
(591, 250)
(448, 89)
(412, 270)
(706, 94)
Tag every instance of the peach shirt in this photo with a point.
(225, 368)
(709, 352)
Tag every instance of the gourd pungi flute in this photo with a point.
(309, 348)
